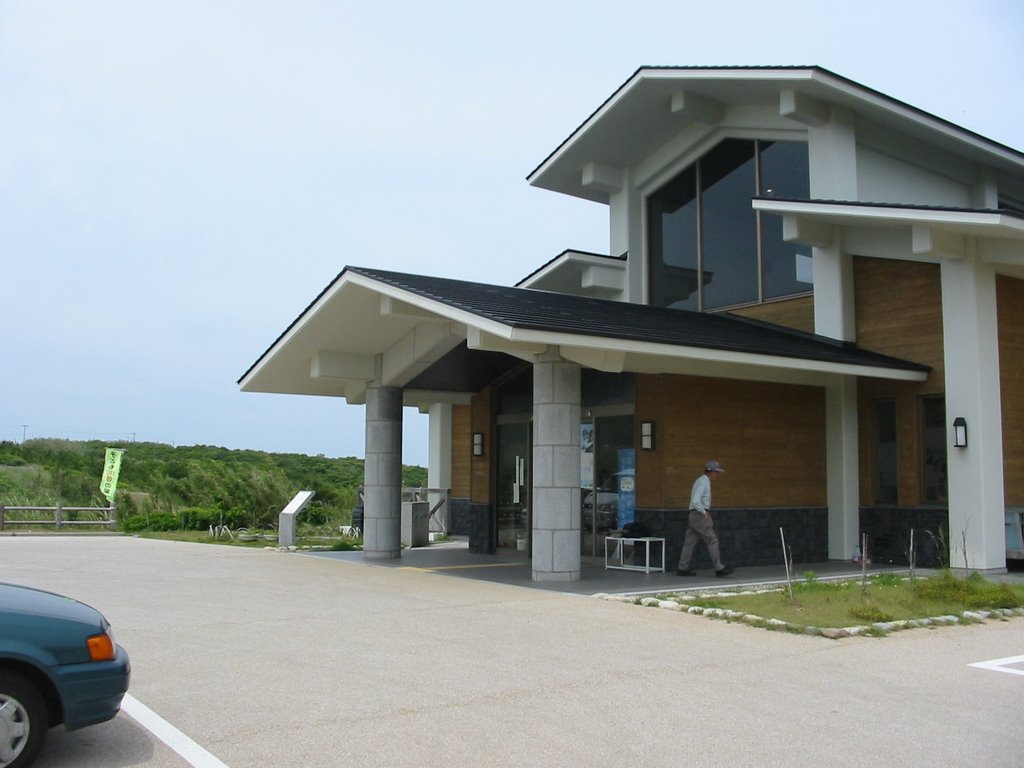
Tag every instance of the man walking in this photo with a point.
(700, 526)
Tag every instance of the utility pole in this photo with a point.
(23, 428)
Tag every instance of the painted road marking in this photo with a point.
(168, 734)
(1002, 665)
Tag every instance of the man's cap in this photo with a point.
(713, 466)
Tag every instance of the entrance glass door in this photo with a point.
(513, 493)
(607, 479)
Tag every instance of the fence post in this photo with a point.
(56, 515)
(112, 517)
(1, 517)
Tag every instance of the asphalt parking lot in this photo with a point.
(258, 658)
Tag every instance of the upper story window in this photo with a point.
(708, 248)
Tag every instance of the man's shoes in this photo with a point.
(724, 571)
(680, 572)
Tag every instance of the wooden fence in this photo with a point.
(58, 516)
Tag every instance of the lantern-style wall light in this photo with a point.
(478, 443)
(959, 432)
(647, 435)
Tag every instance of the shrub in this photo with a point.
(973, 592)
(162, 521)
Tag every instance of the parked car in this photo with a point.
(59, 664)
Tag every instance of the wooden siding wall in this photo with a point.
(769, 437)
(899, 312)
(462, 448)
(1010, 307)
(792, 313)
(481, 420)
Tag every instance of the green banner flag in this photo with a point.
(111, 469)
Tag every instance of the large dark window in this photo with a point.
(784, 174)
(886, 457)
(708, 248)
(728, 174)
(673, 231)
(933, 448)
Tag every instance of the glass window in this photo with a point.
(728, 179)
(784, 174)
(704, 248)
(886, 458)
(673, 231)
(933, 448)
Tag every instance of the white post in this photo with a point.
(843, 490)
(970, 328)
(439, 458)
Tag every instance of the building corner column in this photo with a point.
(970, 327)
(556, 469)
(382, 477)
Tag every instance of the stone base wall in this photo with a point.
(481, 529)
(460, 518)
(888, 532)
(747, 537)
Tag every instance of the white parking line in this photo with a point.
(1001, 665)
(168, 734)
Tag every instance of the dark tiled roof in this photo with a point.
(528, 309)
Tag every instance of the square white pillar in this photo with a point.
(971, 339)
(842, 466)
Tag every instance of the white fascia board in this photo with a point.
(652, 349)
(300, 322)
(976, 223)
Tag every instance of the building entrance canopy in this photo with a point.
(441, 340)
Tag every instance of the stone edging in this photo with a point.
(833, 633)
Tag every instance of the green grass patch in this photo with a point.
(888, 597)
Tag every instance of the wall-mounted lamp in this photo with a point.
(478, 443)
(959, 432)
(647, 435)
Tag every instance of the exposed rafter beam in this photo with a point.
(602, 278)
(342, 365)
(524, 350)
(420, 348)
(803, 109)
(694, 106)
(398, 308)
(606, 178)
(813, 233)
(928, 241)
(609, 361)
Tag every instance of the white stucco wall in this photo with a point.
(887, 179)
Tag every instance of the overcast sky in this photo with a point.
(179, 179)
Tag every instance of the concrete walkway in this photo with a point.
(276, 659)
(513, 568)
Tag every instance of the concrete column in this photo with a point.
(556, 469)
(970, 329)
(842, 467)
(382, 481)
(439, 456)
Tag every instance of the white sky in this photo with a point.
(179, 179)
